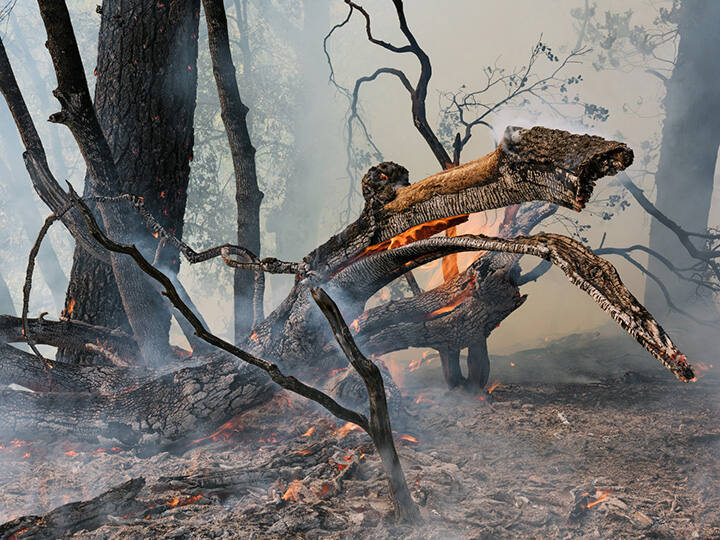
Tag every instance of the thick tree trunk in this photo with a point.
(145, 102)
(247, 194)
(690, 140)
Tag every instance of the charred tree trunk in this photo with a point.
(690, 140)
(145, 102)
(247, 194)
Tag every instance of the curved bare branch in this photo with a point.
(584, 269)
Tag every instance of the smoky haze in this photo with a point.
(460, 41)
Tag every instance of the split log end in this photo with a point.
(578, 161)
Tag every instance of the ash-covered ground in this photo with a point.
(633, 454)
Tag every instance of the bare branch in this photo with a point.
(584, 269)
(379, 426)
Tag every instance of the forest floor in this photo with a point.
(634, 454)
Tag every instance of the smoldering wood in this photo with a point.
(294, 333)
(149, 413)
(378, 426)
(76, 516)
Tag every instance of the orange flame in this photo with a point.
(408, 438)
(175, 501)
(347, 428)
(493, 387)
(254, 337)
(413, 234)
(71, 306)
(224, 432)
(293, 491)
(600, 495)
(71, 453)
(309, 432)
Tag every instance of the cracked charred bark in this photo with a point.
(145, 100)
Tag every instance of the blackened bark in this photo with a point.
(247, 194)
(690, 139)
(75, 516)
(145, 102)
(378, 426)
(70, 334)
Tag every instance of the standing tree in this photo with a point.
(145, 101)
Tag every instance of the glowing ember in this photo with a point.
(309, 432)
(408, 438)
(600, 496)
(293, 491)
(71, 453)
(493, 387)
(67, 311)
(155, 234)
(254, 337)
(224, 432)
(182, 502)
(347, 428)
(413, 234)
(423, 399)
